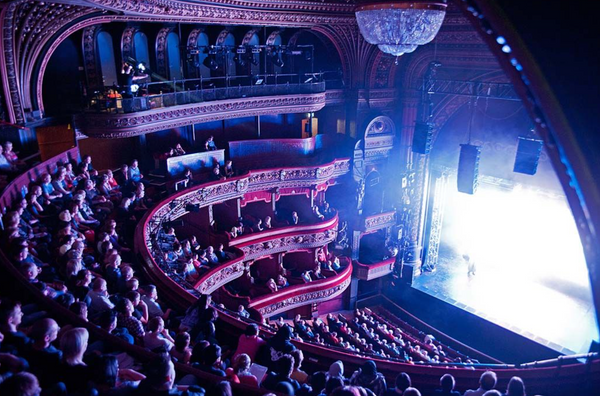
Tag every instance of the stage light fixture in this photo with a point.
(278, 61)
(240, 58)
(276, 56)
(134, 88)
(210, 61)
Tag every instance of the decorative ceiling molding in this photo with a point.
(280, 13)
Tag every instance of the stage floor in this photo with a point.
(556, 314)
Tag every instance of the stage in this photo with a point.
(530, 275)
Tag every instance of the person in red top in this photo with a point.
(249, 342)
(240, 373)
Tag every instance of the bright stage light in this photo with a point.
(530, 266)
(523, 230)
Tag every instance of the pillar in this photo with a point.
(274, 201)
(353, 293)
(238, 202)
(211, 216)
(355, 244)
(415, 164)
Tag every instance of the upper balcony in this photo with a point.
(169, 104)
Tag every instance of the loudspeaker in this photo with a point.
(422, 137)
(468, 168)
(528, 155)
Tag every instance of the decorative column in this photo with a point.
(355, 244)
(274, 199)
(211, 216)
(416, 171)
(238, 202)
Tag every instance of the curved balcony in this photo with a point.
(236, 187)
(258, 244)
(285, 239)
(369, 272)
(379, 221)
(171, 104)
(307, 293)
(113, 126)
(250, 246)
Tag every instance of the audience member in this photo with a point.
(400, 385)
(368, 377)
(21, 384)
(210, 145)
(240, 371)
(282, 373)
(487, 382)
(336, 369)
(295, 218)
(74, 373)
(298, 374)
(250, 342)
(411, 392)
(447, 386)
(515, 387)
(181, 349)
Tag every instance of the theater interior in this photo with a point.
(299, 197)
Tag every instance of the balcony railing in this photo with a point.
(303, 294)
(372, 271)
(183, 92)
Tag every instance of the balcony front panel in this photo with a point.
(303, 294)
(119, 125)
(369, 272)
(287, 239)
(236, 187)
(379, 221)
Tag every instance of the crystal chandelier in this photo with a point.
(400, 27)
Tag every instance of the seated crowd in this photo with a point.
(249, 224)
(187, 257)
(69, 236)
(10, 164)
(369, 334)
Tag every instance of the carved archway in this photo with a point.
(127, 43)
(90, 61)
